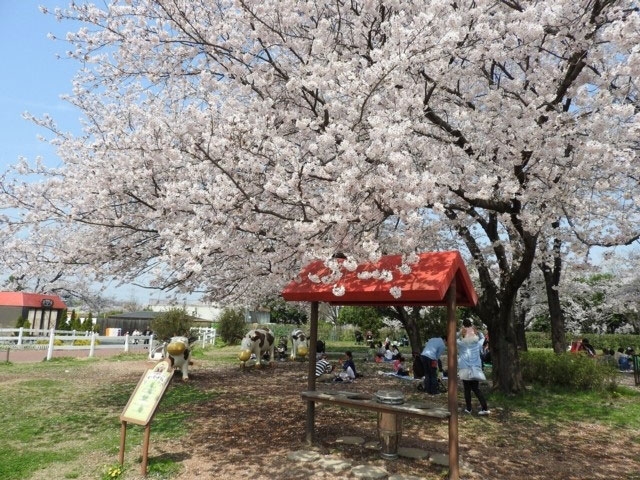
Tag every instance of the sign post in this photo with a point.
(142, 406)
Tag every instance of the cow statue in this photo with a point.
(300, 344)
(258, 342)
(178, 352)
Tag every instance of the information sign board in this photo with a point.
(147, 395)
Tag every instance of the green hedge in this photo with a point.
(56, 342)
(567, 370)
(599, 341)
(83, 342)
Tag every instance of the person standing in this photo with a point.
(430, 355)
(469, 343)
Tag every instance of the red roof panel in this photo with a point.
(426, 284)
(32, 300)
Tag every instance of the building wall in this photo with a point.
(37, 317)
(9, 316)
(126, 324)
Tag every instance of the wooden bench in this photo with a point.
(389, 416)
(366, 402)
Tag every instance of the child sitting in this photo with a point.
(349, 374)
(398, 366)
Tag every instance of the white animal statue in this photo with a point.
(257, 342)
(178, 351)
(180, 355)
(300, 344)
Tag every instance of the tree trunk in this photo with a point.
(507, 376)
(410, 324)
(556, 315)
(521, 337)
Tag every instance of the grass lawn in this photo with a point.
(62, 418)
(62, 412)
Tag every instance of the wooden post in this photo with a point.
(311, 384)
(123, 436)
(50, 349)
(8, 350)
(145, 449)
(452, 372)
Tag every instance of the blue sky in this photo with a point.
(32, 79)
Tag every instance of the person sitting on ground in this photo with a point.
(320, 346)
(630, 352)
(323, 368)
(388, 355)
(398, 366)
(624, 362)
(349, 373)
(395, 352)
(617, 355)
(587, 348)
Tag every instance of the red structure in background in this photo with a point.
(436, 279)
(41, 311)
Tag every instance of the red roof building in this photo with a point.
(41, 311)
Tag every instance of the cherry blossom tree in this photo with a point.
(226, 143)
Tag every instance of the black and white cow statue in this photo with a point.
(300, 344)
(178, 351)
(257, 342)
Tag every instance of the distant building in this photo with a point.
(209, 312)
(41, 311)
(130, 321)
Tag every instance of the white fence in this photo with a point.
(30, 338)
(206, 335)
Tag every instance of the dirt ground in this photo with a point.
(258, 418)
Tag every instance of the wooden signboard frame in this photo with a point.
(164, 371)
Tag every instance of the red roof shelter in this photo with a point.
(34, 300)
(435, 279)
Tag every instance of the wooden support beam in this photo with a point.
(145, 449)
(452, 372)
(123, 437)
(311, 383)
